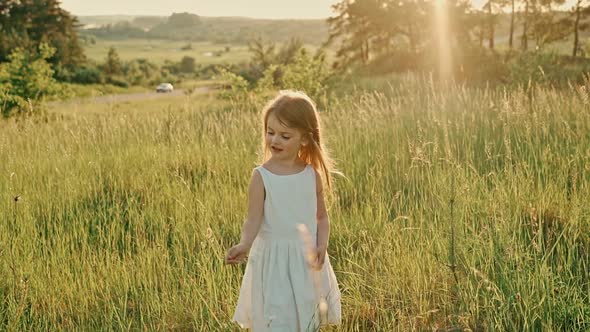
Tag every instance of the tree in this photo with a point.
(547, 28)
(512, 15)
(524, 38)
(289, 51)
(355, 27)
(262, 56)
(308, 74)
(548, 25)
(112, 66)
(539, 22)
(581, 12)
(141, 71)
(492, 7)
(183, 20)
(187, 64)
(479, 17)
(373, 29)
(26, 79)
(489, 6)
(25, 24)
(133, 73)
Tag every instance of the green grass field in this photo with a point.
(158, 51)
(463, 209)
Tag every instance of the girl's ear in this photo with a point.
(305, 140)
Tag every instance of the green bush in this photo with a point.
(118, 81)
(306, 73)
(187, 64)
(87, 75)
(234, 87)
(10, 102)
(206, 72)
(141, 72)
(480, 65)
(547, 68)
(25, 80)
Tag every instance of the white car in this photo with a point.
(165, 87)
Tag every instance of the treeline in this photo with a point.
(27, 78)
(40, 49)
(381, 24)
(192, 27)
(24, 24)
(140, 72)
(39, 46)
(400, 35)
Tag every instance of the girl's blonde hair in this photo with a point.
(296, 110)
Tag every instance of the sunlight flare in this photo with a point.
(443, 37)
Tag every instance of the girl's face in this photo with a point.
(283, 142)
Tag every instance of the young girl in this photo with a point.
(288, 284)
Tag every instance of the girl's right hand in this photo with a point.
(237, 254)
(318, 258)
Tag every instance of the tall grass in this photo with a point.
(461, 208)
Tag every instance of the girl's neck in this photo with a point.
(285, 164)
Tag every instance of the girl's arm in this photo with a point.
(239, 252)
(255, 210)
(322, 217)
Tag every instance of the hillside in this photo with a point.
(190, 27)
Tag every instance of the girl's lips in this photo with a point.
(276, 149)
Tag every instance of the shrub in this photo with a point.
(547, 68)
(187, 64)
(234, 86)
(118, 81)
(308, 74)
(87, 75)
(25, 80)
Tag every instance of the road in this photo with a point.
(137, 96)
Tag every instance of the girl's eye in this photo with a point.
(269, 133)
(285, 137)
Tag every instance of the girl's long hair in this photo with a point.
(296, 110)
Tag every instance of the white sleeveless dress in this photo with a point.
(279, 291)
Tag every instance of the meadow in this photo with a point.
(159, 51)
(461, 209)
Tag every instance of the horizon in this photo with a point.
(262, 9)
(258, 9)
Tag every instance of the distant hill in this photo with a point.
(185, 26)
(240, 30)
(100, 20)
